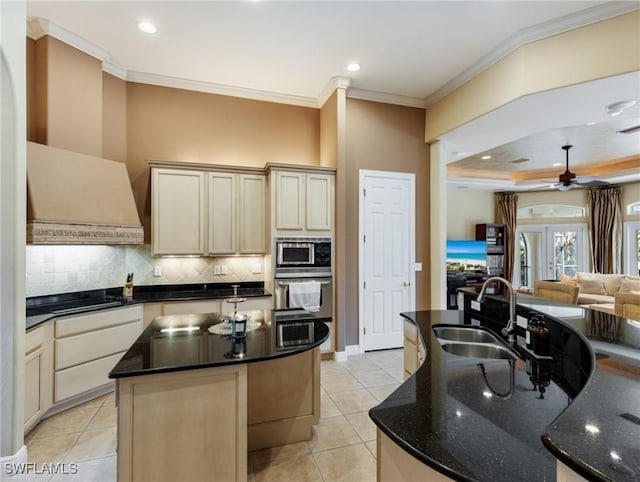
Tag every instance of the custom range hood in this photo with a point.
(78, 199)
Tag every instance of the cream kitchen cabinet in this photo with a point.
(303, 202)
(414, 350)
(207, 212)
(87, 347)
(236, 213)
(178, 212)
(38, 376)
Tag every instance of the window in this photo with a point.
(551, 211)
(632, 247)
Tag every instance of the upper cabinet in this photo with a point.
(302, 202)
(213, 212)
(178, 211)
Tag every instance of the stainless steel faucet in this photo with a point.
(508, 331)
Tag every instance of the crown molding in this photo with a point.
(114, 70)
(39, 27)
(333, 84)
(221, 89)
(556, 26)
(383, 97)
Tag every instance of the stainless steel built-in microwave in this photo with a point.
(303, 252)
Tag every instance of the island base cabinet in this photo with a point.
(283, 400)
(185, 425)
(396, 465)
(565, 474)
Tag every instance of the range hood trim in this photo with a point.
(41, 232)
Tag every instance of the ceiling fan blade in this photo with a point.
(591, 182)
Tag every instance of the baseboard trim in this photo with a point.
(353, 350)
(349, 350)
(10, 461)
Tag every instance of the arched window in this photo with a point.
(633, 208)
(551, 211)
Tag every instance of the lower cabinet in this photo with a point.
(87, 346)
(185, 425)
(275, 419)
(414, 351)
(38, 375)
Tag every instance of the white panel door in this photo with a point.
(387, 257)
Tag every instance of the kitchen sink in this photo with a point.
(480, 350)
(464, 334)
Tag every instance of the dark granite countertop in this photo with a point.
(44, 308)
(446, 416)
(185, 342)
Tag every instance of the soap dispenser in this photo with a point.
(542, 344)
(531, 333)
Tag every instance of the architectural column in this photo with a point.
(438, 212)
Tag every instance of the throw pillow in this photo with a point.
(568, 279)
(629, 285)
(592, 286)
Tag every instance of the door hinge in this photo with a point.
(364, 192)
(365, 285)
(364, 238)
(365, 331)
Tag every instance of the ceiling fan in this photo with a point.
(568, 180)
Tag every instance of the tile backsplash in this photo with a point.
(63, 269)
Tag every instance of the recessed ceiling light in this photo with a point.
(556, 164)
(617, 107)
(591, 123)
(147, 27)
(484, 158)
(353, 67)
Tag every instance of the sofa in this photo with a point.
(598, 291)
(627, 305)
(565, 292)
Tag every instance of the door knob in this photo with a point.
(406, 283)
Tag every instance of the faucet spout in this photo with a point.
(509, 330)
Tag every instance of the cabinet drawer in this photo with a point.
(85, 347)
(95, 321)
(81, 378)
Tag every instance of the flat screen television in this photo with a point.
(465, 255)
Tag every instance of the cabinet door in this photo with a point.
(251, 205)
(290, 200)
(38, 377)
(222, 213)
(319, 202)
(177, 206)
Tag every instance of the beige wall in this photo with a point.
(603, 49)
(329, 132)
(68, 93)
(181, 125)
(31, 89)
(390, 138)
(114, 118)
(465, 209)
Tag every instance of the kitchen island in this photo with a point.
(456, 420)
(192, 400)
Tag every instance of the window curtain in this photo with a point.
(508, 205)
(605, 229)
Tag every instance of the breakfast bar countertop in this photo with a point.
(475, 426)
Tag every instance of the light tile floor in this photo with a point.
(342, 447)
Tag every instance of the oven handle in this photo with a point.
(287, 283)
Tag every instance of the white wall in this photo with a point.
(465, 209)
